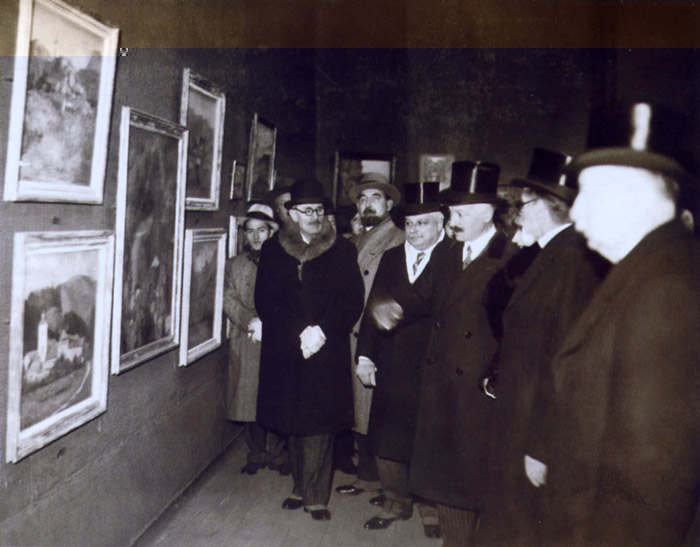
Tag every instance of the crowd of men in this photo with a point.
(523, 373)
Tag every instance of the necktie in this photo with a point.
(467, 258)
(419, 259)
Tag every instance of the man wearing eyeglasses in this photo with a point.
(374, 197)
(547, 298)
(308, 294)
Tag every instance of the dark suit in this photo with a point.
(625, 461)
(546, 300)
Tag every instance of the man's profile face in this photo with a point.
(422, 231)
(282, 211)
(531, 215)
(471, 220)
(373, 207)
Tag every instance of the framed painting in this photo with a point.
(61, 105)
(237, 181)
(349, 168)
(232, 249)
(436, 168)
(150, 224)
(202, 111)
(203, 293)
(261, 159)
(59, 335)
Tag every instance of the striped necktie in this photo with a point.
(419, 259)
(467, 258)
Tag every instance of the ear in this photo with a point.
(389, 204)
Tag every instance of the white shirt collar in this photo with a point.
(549, 236)
(412, 254)
(478, 245)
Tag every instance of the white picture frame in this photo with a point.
(261, 159)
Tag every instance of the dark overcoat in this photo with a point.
(397, 353)
(300, 285)
(448, 464)
(546, 300)
(625, 451)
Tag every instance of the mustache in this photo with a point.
(370, 211)
(457, 229)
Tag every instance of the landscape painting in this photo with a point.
(202, 109)
(150, 220)
(349, 168)
(203, 293)
(261, 159)
(59, 335)
(61, 105)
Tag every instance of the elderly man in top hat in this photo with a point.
(375, 198)
(393, 336)
(626, 443)
(546, 300)
(308, 294)
(449, 453)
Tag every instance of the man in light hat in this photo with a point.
(547, 298)
(308, 294)
(264, 447)
(393, 336)
(448, 462)
(625, 445)
(374, 197)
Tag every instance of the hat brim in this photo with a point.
(562, 192)
(452, 197)
(258, 216)
(304, 201)
(389, 189)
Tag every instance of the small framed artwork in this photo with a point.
(59, 335)
(349, 168)
(232, 236)
(203, 293)
(237, 181)
(61, 105)
(150, 229)
(261, 159)
(202, 111)
(436, 168)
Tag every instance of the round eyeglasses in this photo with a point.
(308, 211)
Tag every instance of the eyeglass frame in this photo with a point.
(519, 204)
(309, 211)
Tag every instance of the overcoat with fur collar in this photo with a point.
(300, 285)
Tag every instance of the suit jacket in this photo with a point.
(370, 248)
(625, 450)
(547, 299)
(448, 463)
(397, 353)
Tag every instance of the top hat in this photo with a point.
(546, 174)
(306, 191)
(635, 135)
(420, 198)
(375, 181)
(260, 211)
(472, 182)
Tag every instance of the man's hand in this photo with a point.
(536, 471)
(387, 314)
(365, 371)
(255, 329)
(312, 340)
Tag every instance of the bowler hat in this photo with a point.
(260, 211)
(420, 198)
(546, 174)
(306, 191)
(472, 182)
(635, 135)
(375, 181)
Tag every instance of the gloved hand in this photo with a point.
(365, 371)
(536, 471)
(255, 329)
(312, 340)
(387, 314)
(488, 386)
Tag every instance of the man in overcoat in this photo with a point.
(448, 464)
(308, 294)
(625, 450)
(393, 335)
(374, 197)
(549, 296)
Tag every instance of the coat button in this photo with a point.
(459, 372)
(366, 272)
(438, 325)
(468, 334)
(355, 334)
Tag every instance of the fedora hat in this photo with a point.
(546, 174)
(260, 211)
(306, 191)
(375, 181)
(420, 198)
(472, 182)
(635, 135)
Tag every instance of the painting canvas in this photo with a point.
(203, 293)
(436, 168)
(202, 111)
(150, 220)
(59, 335)
(61, 104)
(349, 168)
(237, 180)
(261, 159)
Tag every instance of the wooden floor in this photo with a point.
(225, 507)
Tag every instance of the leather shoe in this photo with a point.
(378, 501)
(431, 531)
(350, 490)
(319, 514)
(292, 503)
(382, 523)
